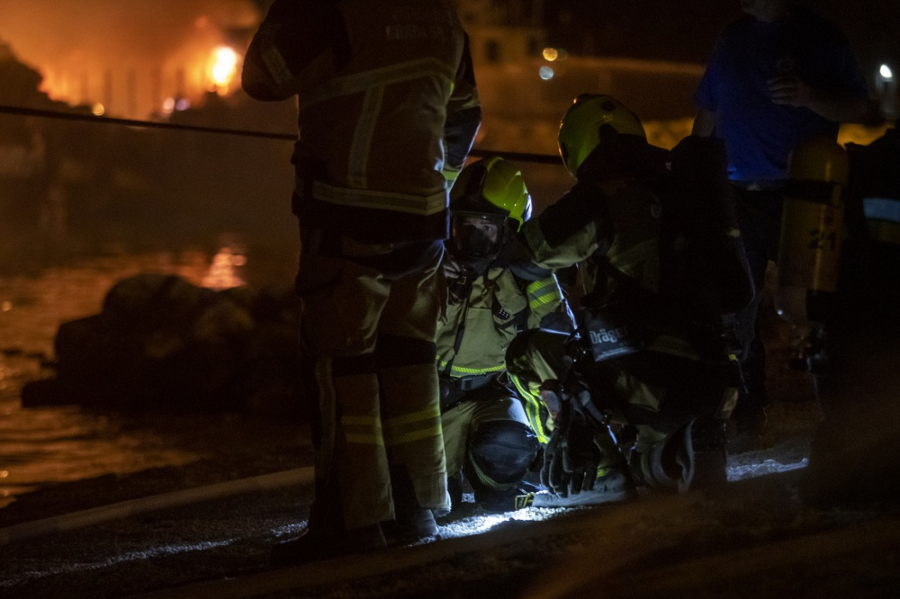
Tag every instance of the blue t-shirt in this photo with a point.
(759, 134)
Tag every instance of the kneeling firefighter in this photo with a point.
(664, 272)
(491, 437)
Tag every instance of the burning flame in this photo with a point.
(224, 67)
(222, 272)
(130, 56)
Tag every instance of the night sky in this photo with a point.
(687, 29)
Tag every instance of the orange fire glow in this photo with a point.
(223, 272)
(130, 56)
(224, 68)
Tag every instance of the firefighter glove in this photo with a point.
(571, 457)
(553, 477)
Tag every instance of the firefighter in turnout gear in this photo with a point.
(491, 437)
(644, 356)
(388, 111)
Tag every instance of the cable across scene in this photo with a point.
(67, 116)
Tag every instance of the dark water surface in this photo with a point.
(40, 446)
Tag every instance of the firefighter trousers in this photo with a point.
(487, 436)
(368, 322)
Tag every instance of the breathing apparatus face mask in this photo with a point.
(476, 239)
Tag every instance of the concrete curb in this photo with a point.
(85, 518)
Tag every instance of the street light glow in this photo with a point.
(885, 71)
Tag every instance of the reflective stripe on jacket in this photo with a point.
(376, 90)
(499, 306)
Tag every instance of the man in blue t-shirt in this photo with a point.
(778, 76)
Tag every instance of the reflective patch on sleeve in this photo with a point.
(450, 176)
(277, 65)
(543, 292)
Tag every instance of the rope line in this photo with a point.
(89, 118)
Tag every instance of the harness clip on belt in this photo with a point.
(453, 389)
(468, 383)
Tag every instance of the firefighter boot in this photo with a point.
(314, 546)
(668, 465)
(325, 537)
(455, 490)
(614, 484)
(411, 521)
(708, 437)
(516, 498)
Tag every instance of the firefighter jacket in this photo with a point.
(387, 108)
(478, 326)
(609, 224)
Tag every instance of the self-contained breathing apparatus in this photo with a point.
(488, 204)
(812, 232)
(835, 196)
(704, 276)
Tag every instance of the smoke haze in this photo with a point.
(79, 45)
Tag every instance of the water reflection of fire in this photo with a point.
(223, 272)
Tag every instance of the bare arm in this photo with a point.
(704, 123)
(840, 108)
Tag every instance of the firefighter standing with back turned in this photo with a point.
(491, 436)
(387, 101)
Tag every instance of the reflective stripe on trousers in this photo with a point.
(371, 419)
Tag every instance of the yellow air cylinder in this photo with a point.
(812, 226)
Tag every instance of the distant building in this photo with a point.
(142, 58)
(526, 85)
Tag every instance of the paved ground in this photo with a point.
(755, 538)
(752, 539)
